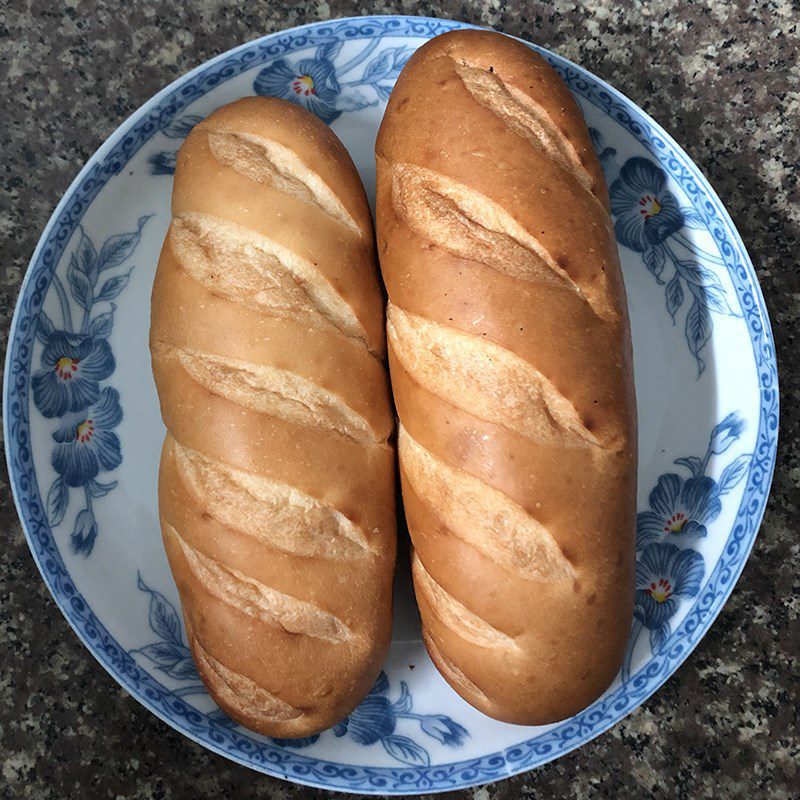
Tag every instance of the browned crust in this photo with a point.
(287, 637)
(570, 633)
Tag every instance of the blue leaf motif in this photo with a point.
(655, 259)
(674, 294)
(98, 489)
(86, 256)
(695, 275)
(692, 219)
(80, 285)
(380, 66)
(162, 617)
(44, 328)
(401, 57)
(733, 473)
(387, 65)
(406, 750)
(181, 127)
(171, 659)
(403, 705)
(183, 671)
(693, 464)
(57, 500)
(329, 50)
(102, 325)
(698, 332)
(113, 286)
(121, 246)
(383, 91)
(164, 654)
(714, 297)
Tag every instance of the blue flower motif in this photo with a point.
(646, 211)
(679, 510)
(444, 729)
(374, 719)
(82, 538)
(162, 163)
(726, 433)
(72, 366)
(311, 84)
(664, 572)
(86, 442)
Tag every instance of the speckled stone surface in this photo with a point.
(723, 78)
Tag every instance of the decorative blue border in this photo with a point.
(109, 161)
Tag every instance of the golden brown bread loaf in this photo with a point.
(510, 357)
(276, 488)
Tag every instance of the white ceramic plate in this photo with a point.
(83, 431)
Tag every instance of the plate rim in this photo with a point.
(400, 778)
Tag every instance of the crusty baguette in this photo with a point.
(510, 357)
(276, 488)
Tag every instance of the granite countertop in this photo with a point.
(722, 77)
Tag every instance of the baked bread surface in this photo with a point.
(276, 486)
(510, 356)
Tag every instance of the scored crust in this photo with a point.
(276, 485)
(511, 365)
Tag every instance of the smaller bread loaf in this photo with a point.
(510, 356)
(276, 488)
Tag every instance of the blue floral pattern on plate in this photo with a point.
(668, 567)
(317, 84)
(73, 365)
(140, 147)
(170, 653)
(320, 86)
(650, 220)
(374, 721)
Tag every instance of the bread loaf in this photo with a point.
(510, 357)
(276, 487)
